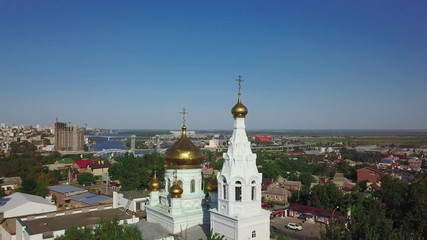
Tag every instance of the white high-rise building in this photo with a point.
(238, 214)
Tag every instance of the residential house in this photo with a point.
(276, 194)
(374, 187)
(387, 162)
(9, 184)
(292, 185)
(82, 165)
(340, 181)
(99, 168)
(370, 174)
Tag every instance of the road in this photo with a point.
(310, 231)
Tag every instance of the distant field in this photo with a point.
(370, 140)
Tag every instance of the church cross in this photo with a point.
(239, 82)
(184, 112)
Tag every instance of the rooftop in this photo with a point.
(133, 194)
(43, 225)
(65, 188)
(10, 181)
(84, 162)
(91, 198)
(18, 199)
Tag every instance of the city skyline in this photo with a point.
(134, 65)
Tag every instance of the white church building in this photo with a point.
(234, 210)
(181, 204)
(239, 214)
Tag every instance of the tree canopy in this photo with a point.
(397, 211)
(326, 196)
(86, 178)
(135, 172)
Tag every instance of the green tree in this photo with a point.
(306, 178)
(326, 196)
(218, 164)
(31, 185)
(270, 169)
(85, 178)
(135, 172)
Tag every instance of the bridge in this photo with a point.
(275, 148)
(111, 153)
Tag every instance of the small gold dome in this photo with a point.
(212, 185)
(183, 154)
(175, 190)
(155, 185)
(239, 110)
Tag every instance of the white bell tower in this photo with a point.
(239, 214)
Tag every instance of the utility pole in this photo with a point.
(106, 184)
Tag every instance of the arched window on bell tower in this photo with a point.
(238, 192)
(253, 190)
(192, 186)
(224, 188)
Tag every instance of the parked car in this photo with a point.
(294, 226)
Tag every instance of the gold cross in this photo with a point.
(239, 82)
(184, 112)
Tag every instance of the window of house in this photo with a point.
(253, 234)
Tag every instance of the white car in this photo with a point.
(294, 226)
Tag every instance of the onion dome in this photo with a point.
(239, 110)
(183, 154)
(155, 184)
(175, 190)
(212, 185)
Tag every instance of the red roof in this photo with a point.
(263, 138)
(208, 165)
(374, 169)
(314, 211)
(84, 162)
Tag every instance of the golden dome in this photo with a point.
(175, 190)
(155, 184)
(212, 185)
(183, 154)
(239, 110)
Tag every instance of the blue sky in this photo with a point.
(134, 64)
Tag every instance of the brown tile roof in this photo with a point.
(273, 189)
(100, 164)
